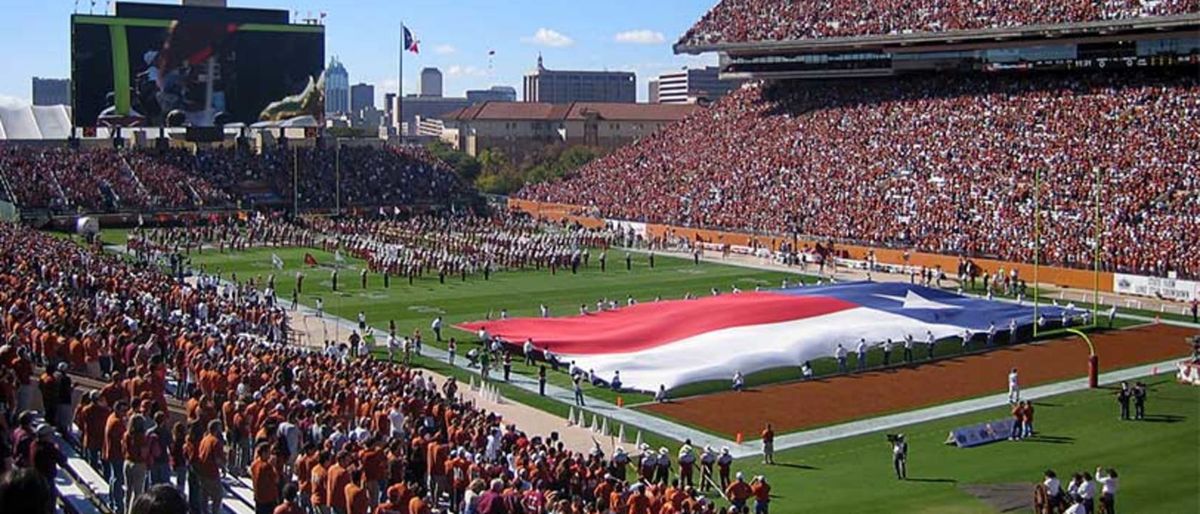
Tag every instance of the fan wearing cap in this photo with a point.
(762, 494)
(707, 460)
(723, 462)
(687, 460)
(45, 455)
(738, 492)
(662, 470)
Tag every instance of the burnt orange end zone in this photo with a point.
(802, 405)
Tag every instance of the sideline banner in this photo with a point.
(983, 433)
(1156, 287)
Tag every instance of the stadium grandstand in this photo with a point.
(859, 135)
(40, 178)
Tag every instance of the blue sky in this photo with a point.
(455, 35)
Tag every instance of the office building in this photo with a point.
(494, 94)
(337, 87)
(361, 97)
(652, 91)
(424, 107)
(518, 128)
(51, 91)
(689, 86)
(562, 86)
(431, 83)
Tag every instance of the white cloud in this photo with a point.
(465, 71)
(549, 37)
(444, 49)
(640, 37)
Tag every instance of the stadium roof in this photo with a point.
(35, 122)
(980, 36)
(575, 111)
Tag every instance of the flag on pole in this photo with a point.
(309, 260)
(276, 261)
(411, 44)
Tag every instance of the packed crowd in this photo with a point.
(941, 164)
(314, 431)
(741, 21)
(461, 244)
(106, 180)
(99, 181)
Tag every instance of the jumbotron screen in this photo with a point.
(130, 71)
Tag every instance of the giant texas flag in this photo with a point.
(677, 342)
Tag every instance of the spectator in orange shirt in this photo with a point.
(289, 505)
(738, 492)
(356, 496)
(210, 459)
(762, 494)
(335, 482)
(639, 501)
(265, 480)
(114, 455)
(317, 481)
(417, 504)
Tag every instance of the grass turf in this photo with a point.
(1156, 459)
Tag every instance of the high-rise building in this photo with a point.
(361, 96)
(495, 94)
(652, 91)
(431, 83)
(689, 86)
(51, 91)
(561, 86)
(389, 109)
(337, 87)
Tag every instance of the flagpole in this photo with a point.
(400, 88)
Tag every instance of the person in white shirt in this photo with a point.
(545, 311)
(528, 351)
(930, 343)
(1053, 488)
(436, 326)
(1087, 492)
(1012, 331)
(320, 308)
(1014, 390)
(839, 353)
(861, 351)
(806, 370)
(908, 348)
(1108, 494)
(739, 381)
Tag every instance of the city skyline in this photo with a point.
(456, 38)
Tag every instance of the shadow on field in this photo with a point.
(1051, 439)
(933, 480)
(796, 466)
(1164, 418)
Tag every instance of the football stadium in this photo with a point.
(894, 257)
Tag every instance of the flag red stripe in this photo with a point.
(648, 325)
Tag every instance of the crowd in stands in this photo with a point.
(741, 21)
(98, 181)
(940, 164)
(461, 244)
(106, 180)
(314, 431)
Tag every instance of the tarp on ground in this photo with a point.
(677, 342)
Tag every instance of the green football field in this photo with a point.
(1157, 458)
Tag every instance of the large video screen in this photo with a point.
(140, 72)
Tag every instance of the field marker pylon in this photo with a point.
(571, 416)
